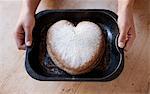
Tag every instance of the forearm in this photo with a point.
(30, 6)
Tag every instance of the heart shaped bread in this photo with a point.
(75, 49)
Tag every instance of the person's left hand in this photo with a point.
(126, 28)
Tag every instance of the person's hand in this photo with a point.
(23, 33)
(126, 28)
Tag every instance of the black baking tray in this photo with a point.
(40, 66)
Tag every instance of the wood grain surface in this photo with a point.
(135, 78)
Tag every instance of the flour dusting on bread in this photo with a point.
(74, 47)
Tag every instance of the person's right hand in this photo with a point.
(23, 32)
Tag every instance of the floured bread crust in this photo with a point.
(75, 49)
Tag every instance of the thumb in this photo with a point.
(122, 38)
(28, 36)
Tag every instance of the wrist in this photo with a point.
(24, 14)
(124, 10)
(27, 11)
(125, 4)
(29, 7)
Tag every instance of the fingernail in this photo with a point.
(121, 44)
(28, 43)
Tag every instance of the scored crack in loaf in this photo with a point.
(75, 49)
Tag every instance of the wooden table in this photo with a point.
(134, 79)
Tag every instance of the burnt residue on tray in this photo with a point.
(40, 66)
